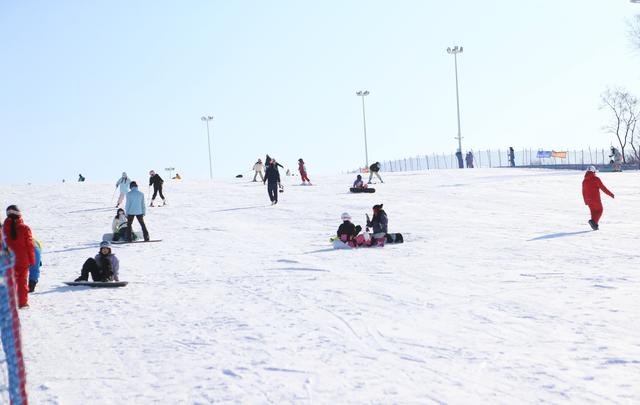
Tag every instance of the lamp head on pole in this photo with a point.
(207, 118)
(362, 93)
(456, 49)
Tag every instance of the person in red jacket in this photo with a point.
(303, 171)
(19, 240)
(591, 186)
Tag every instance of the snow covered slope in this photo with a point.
(501, 293)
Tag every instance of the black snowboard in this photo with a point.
(362, 190)
(99, 284)
(125, 242)
(394, 238)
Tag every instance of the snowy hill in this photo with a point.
(501, 293)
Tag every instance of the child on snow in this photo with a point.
(103, 267)
(119, 226)
(591, 186)
(303, 171)
(348, 232)
(34, 270)
(359, 183)
(379, 224)
(20, 242)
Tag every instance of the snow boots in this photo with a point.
(594, 226)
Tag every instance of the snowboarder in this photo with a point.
(272, 178)
(591, 186)
(616, 159)
(375, 169)
(359, 183)
(119, 226)
(258, 168)
(177, 177)
(348, 232)
(378, 224)
(34, 270)
(81, 178)
(103, 267)
(303, 171)
(123, 182)
(135, 208)
(20, 241)
(156, 181)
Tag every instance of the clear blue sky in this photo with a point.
(98, 87)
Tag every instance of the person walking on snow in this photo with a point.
(156, 181)
(591, 186)
(258, 168)
(20, 241)
(272, 178)
(135, 208)
(34, 271)
(303, 171)
(123, 182)
(374, 169)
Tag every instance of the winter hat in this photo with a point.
(105, 243)
(13, 210)
(152, 173)
(359, 177)
(592, 168)
(133, 184)
(124, 174)
(345, 216)
(377, 206)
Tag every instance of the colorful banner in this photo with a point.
(561, 155)
(542, 154)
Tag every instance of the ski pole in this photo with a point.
(113, 195)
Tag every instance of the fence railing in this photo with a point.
(490, 158)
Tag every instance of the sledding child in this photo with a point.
(303, 171)
(591, 186)
(359, 183)
(378, 224)
(348, 232)
(20, 242)
(103, 267)
(34, 270)
(119, 226)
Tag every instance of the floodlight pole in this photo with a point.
(363, 94)
(207, 119)
(455, 51)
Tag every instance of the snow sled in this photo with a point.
(109, 236)
(98, 284)
(394, 238)
(362, 190)
(338, 244)
(239, 176)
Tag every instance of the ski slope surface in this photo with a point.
(501, 293)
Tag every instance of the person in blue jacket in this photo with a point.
(34, 271)
(123, 182)
(135, 208)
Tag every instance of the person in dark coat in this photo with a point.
(103, 267)
(375, 169)
(267, 161)
(591, 186)
(81, 178)
(379, 224)
(272, 178)
(348, 232)
(459, 157)
(20, 242)
(512, 157)
(156, 181)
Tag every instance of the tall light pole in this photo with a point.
(207, 119)
(455, 51)
(363, 94)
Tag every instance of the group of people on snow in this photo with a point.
(374, 235)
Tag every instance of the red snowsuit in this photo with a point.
(303, 171)
(591, 186)
(22, 247)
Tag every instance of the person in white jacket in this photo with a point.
(119, 225)
(123, 182)
(258, 168)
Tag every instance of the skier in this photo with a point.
(616, 159)
(123, 182)
(379, 224)
(119, 226)
(591, 186)
(272, 178)
(103, 267)
(20, 241)
(348, 232)
(135, 208)
(258, 167)
(156, 181)
(303, 171)
(375, 169)
(34, 270)
(359, 183)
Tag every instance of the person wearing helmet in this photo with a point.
(348, 232)
(156, 181)
(103, 267)
(123, 182)
(20, 241)
(591, 186)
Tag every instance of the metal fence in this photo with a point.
(575, 159)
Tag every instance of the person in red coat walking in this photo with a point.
(591, 186)
(19, 240)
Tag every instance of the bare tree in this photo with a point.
(625, 111)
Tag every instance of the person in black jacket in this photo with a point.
(374, 169)
(272, 178)
(348, 232)
(156, 181)
(379, 223)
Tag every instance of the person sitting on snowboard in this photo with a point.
(378, 224)
(348, 232)
(591, 186)
(119, 226)
(103, 267)
(359, 183)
